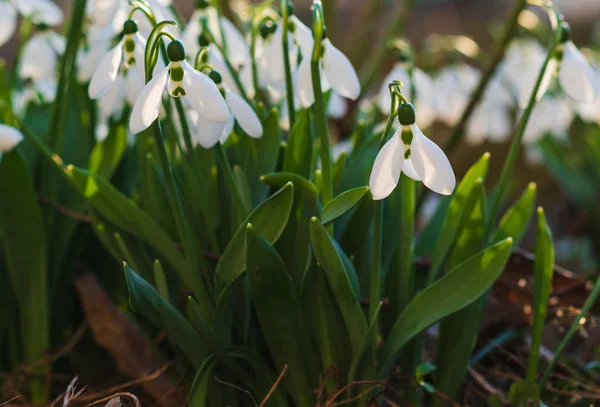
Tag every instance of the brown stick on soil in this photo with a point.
(131, 349)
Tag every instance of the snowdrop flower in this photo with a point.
(122, 66)
(409, 151)
(522, 62)
(491, 119)
(453, 87)
(208, 133)
(9, 138)
(196, 89)
(40, 54)
(576, 76)
(337, 73)
(551, 115)
(425, 102)
(39, 91)
(337, 107)
(238, 51)
(8, 21)
(39, 11)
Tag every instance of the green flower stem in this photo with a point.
(56, 128)
(319, 107)
(240, 207)
(509, 33)
(516, 141)
(407, 232)
(286, 60)
(187, 138)
(253, 39)
(200, 285)
(375, 290)
(572, 330)
(375, 61)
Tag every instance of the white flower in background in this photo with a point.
(341, 147)
(409, 151)
(337, 73)
(491, 118)
(522, 62)
(9, 138)
(40, 54)
(208, 133)
(196, 89)
(533, 155)
(39, 11)
(39, 91)
(551, 115)
(122, 66)
(337, 107)
(453, 87)
(576, 76)
(590, 112)
(425, 102)
(238, 51)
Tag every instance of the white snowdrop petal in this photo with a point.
(203, 95)
(147, 106)
(88, 61)
(208, 133)
(303, 84)
(409, 170)
(431, 163)
(237, 47)
(244, 114)
(191, 33)
(387, 168)
(338, 106)
(9, 137)
(112, 102)
(576, 76)
(106, 72)
(304, 37)
(339, 72)
(272, 61)
(134, 83)
(38, 58)
(41, 11)
(530, 80)
(227, 130)
(8, 22)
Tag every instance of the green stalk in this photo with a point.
(509, 33)
(375, 290)
(572, 330)
(253, 38)
(375, 61)
(240, 208)
(407, 232)
(516, 141)
(200, 287)
(329, 10)
(187, 138)
(319, 108)
(286, 60)
(56, 128)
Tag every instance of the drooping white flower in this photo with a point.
(124, 61)
(40, 55)
(196, 89)
(453, 87)
(38, 91)
(576, 76)
(39, 11)
(9, 138)
(551, 115)
(491, 118)
(208, 133)
(409, 151)
(337, 73)
(425, 103)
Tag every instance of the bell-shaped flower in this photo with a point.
(491, 119)
(453, 87)
(196, 89)
(40, 55)
(208, 133)
(40, 11)
(238, 51)
(9, 138)
(425, 102)
(551, 115)
(577, 78)
(337, 73)
(38, 91)
(337, 107)
(590, 112)
(124, 61)
(409, 151)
